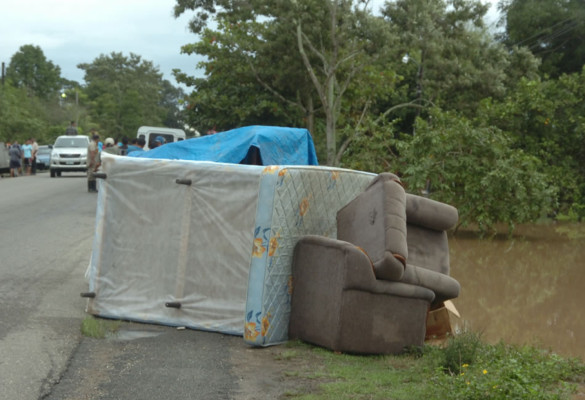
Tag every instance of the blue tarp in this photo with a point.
(274, 145)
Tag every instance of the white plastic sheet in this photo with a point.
(158, 241)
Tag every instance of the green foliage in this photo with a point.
(476, 170)
(231, 95)
(21, 116)
(123, 93)
(98, 328)
(552, 29)
(372, 149)
(545, 118)
(510, 372)
(453, 61)
(460, 352)
(29, 69)
(477, 371)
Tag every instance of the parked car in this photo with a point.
(69, 155)
(44, 157)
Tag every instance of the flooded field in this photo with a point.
(527, 289)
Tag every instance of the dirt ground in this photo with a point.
(286, 372)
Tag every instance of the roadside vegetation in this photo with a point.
(99, 328)
(465, 368)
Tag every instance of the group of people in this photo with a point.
(23, 158)
(96, 147)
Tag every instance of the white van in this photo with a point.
(149, 133)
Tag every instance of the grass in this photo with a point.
(98, 328)
(466, 368)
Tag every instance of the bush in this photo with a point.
(477, 171)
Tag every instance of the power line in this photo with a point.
(566, 26)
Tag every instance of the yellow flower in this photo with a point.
(258, 248)
(250, 332)
(270, 169)
(265, 325)
(485, 371)
(273, 245)
(465, 365)
(304, 206)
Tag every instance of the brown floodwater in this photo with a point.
(525, 289)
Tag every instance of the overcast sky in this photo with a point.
(71, 32)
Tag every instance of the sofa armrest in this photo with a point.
(339, 265)
(430, 213)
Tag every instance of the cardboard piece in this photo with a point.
(442, 322)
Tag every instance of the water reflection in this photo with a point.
(527, 289)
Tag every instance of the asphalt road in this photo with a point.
(47, 232)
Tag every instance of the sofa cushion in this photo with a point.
(376, 221)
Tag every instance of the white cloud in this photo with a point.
(71, 32)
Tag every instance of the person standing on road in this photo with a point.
(124, 146)
(93, 162)
(15, 154)
(111, 147)
(35, 150)
(71, 129)
(27, 151)
(137, 145)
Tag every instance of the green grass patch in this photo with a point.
(466, 368)
(98, 328)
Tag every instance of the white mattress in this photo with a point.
(221, 246)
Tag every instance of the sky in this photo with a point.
(71, 32)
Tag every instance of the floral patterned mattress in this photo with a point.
(208, 245)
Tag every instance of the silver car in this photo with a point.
(43, 157)
(69, 155)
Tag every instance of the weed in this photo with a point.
(98, 328)
(460, 350)
(475, 370)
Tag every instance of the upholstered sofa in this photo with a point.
(369, 290)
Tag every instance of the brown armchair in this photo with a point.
(370, 221)
(369, 291)
(339, 304)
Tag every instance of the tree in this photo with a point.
(336, 42)
(238, 88)
(552, 29)
(476, 170)
(30, 69)
(450, 57)
(124, 93)
(21, 116)
(544, 118)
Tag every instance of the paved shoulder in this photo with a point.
(150, 362)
